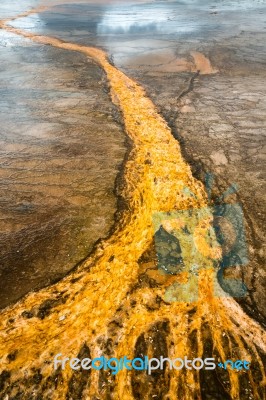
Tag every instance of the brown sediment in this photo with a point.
(54, 175)
(203, 64)
(74, 316)
(166, 61)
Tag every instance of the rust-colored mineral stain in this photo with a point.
(93, 294)
(202, 63)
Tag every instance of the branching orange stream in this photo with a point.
(101, 291)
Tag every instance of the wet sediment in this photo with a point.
(57, 185)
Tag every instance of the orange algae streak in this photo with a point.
(155, 177)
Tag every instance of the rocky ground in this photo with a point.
(220, 121)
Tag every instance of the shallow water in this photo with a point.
(128, 31)
(56, 183)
